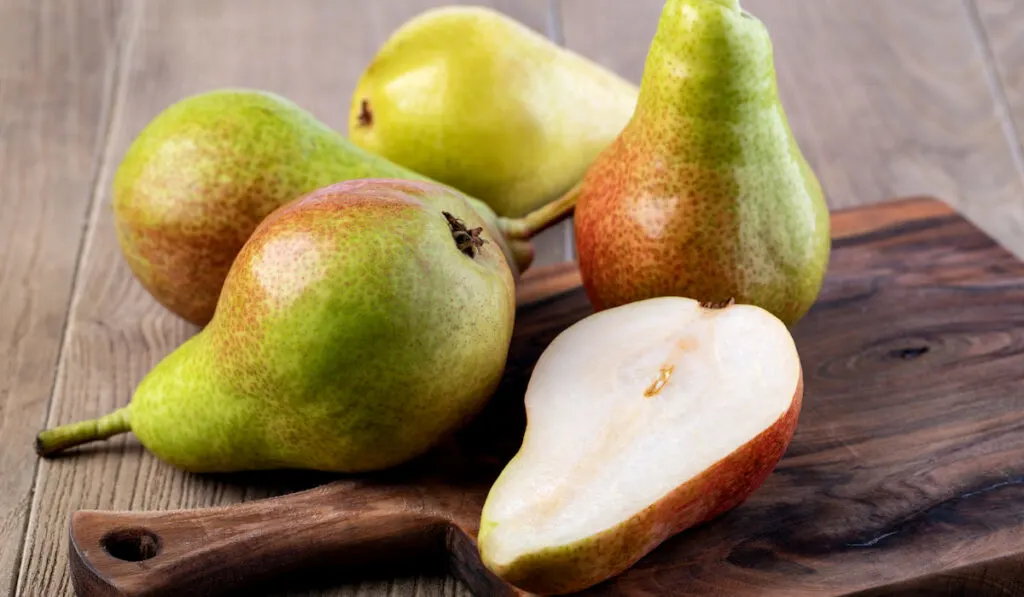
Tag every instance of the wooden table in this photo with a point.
(887, 97)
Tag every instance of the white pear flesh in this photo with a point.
(642, 421)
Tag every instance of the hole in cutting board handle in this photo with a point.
(131, 545)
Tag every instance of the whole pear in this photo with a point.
(204, 172)
(359, 326)
(477, 100)
(705, 193)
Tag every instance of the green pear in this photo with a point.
(705, 193)
(643, 421)
(479, 101)
(202, 175)
(359, 326)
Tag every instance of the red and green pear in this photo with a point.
(359, 326)
(201, 176)
(705, 193)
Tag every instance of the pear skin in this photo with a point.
(359, 326)
(205, 172)
(477, 100)
(705, 193)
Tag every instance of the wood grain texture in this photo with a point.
(55, 74)
(312, 52)
(886, 98)
(329, 527)
(905, 476)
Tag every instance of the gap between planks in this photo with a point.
(996, 85)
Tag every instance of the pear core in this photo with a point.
(627, 406)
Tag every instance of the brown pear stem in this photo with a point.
(542, 218)
(61, 438)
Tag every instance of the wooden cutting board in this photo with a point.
(905, 477)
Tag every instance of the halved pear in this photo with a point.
(642, 421)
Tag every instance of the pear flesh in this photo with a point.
(705, 193)
(477, 100)
(359, 326)
(642, 421)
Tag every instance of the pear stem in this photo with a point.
(67, 436)
(541, 219)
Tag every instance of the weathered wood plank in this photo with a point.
(311, 52)
(886, 98)
(999, 27)
(56, 65)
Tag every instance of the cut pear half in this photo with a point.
(642, 421)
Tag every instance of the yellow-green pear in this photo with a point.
(472, 98)
(359, 326)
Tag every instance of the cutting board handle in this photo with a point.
(212, 551)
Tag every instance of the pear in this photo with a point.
(642, 421)
(204, 172)
(705, 193)
(359, 326)
(479, 101)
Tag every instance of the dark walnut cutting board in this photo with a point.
(905, 477)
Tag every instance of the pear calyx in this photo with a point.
(58, 439)
(468, 240)
(365, 114)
